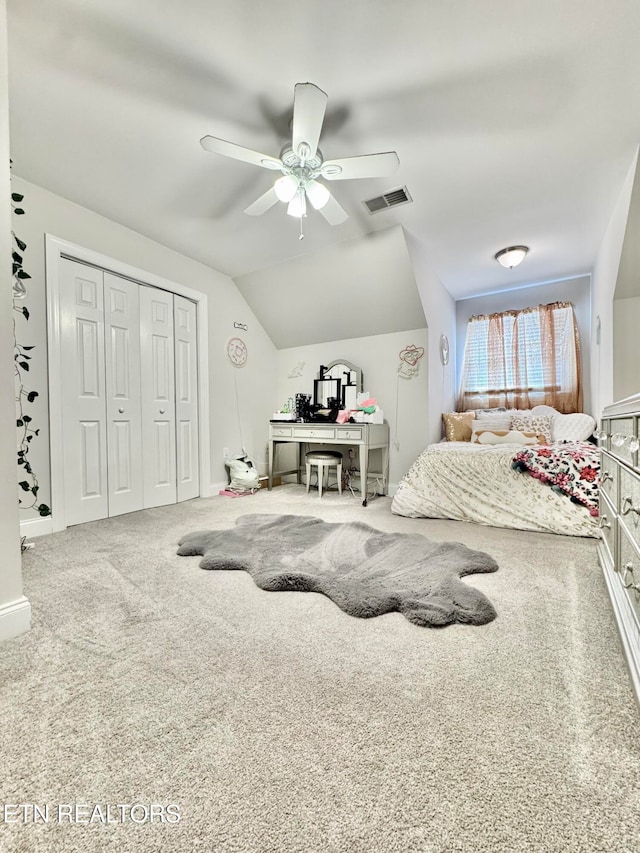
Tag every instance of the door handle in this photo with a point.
(627, 506)
(121, 411)
(162, 411)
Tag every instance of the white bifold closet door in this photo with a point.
(129, 368)
(186, 370)
(123, 395)
(158, 401)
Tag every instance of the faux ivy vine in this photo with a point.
(21, 357)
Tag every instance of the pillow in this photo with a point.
(457, 425)
(544, 410)
(541, 425)
(500, 421)
(576, 427)
(573, 427)
(509, 436)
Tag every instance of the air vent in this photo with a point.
(391, 199)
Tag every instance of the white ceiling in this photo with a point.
(515, 122)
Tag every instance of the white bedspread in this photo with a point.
(467, 482)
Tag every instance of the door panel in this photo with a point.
(124, 412)
(158, 397)
(83, 392)
(186, 380)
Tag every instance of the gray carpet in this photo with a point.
(365, 571)
(279, 724)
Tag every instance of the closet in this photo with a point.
(129, 394)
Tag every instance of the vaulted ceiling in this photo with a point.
(513, 122)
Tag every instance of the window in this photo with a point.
(521, 359)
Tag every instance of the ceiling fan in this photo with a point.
(301, 163)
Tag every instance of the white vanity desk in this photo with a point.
(365, 437)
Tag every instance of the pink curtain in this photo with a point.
(521, 359)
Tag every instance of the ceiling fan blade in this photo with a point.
(309, 105)
(365, 166)
(333, 212)
(264, 203)
(238, 152)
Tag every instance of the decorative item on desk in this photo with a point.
(286, 413)
(303, 403)
(368, 411)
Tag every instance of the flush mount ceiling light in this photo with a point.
(512, 256)
(301, 163)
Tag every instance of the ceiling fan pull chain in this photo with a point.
(301, 237)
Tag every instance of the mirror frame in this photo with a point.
(352, 368)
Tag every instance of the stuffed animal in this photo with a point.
(242, 473)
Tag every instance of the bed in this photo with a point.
(549, 488)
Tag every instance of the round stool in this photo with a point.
(324, 459)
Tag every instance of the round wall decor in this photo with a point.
(444, 350)
(237, 352)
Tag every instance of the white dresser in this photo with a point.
(619, 549)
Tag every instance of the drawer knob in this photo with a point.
(606, 476)
(628, 569)
(604, 522)
(627, 506)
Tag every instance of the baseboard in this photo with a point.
(215, 487)
(15, 618)
(36, 526)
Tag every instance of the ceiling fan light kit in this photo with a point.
(301, 163)
(511, 256)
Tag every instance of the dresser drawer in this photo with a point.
(623, 430)
(317, 433)
(281, 432)
(629, 569)
(629, 506)
(350, 433)
(608, 526)
(609, 478)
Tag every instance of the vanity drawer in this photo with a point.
(629, 568)
(609, 478)
(608, 525)
(321, 433)
(281, 432)
(622, 430)
(350, 433)
(629, 507)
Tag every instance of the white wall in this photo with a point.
(404, 401)
(626, 322)
(576, 290)
(256, 382)
(351, 289)
(439, 310)
(15, 614)
(603, 286)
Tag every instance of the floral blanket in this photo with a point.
(572, 469)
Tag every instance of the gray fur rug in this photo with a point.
(364, 571)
